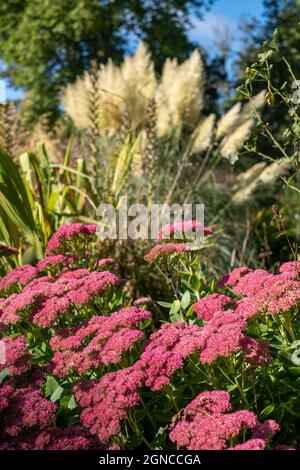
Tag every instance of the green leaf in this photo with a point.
(3, 374)
(291, 383)
(185, 300)
(190, 311)
(285, 355)
(70, 170)
(123, 163)
(267, 411)
(195, 283)
(13, 188)
(195, 261)
(43, 155)
(293, 406)
(57, 394)
(175, 317)
(231, 387)
(279, 412)
(72, 403)
(263, 328)
(51, 386)
(295, 370)
(175, 307)
(164, 304)
(146, 324)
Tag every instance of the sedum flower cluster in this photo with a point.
(82, 367)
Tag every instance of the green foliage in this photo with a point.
(35, 197)
(272, 53)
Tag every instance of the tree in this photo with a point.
(48, 44)
(282, 17)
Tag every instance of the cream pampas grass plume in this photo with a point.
(233, 142)
(273, 171)
(125, 89)
(267, 176)
(238, 115)
(76, 101)
(111, 96)
(254, 104)
(251, 173)
(244, 194)
(139, 83)
(203, 134)
(128, 88)
(228, 121)
(180, 94)
(138, 71)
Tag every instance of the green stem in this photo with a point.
(135, 428)
(147, 412)
(170, 395)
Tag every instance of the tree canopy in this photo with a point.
(45, 45)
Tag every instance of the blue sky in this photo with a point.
(224, 15)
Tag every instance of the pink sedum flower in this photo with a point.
(264, 293)
(71, 438)
(256, 352)
(251, 282)
(48, 310)
(284, 447)
(265, 430)
(251, 444)
(205, 425)
(6, 250)
(47, 298)
(165, 249)
(71, 338)
(107, 401)
(27, 409)
(142, 301)
(108, 339)
(17, 358)
(231, 279)
(105, 262)
(180, 229)
(292, 268)
(19, 276)
(222, 336)
(67, 233)
(166, 351)
(55, 261)
(209, 305)
(6, 391)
